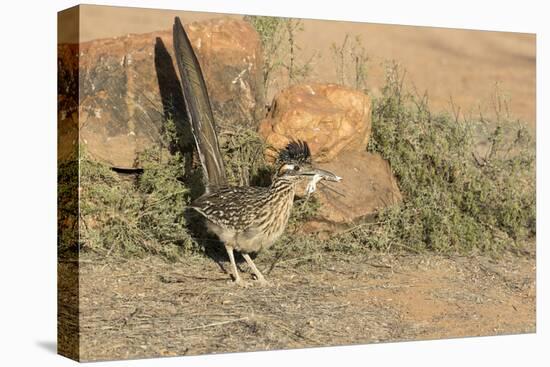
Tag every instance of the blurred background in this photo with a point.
(468, 66)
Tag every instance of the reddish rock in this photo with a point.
(67, 102)
(129, 85)
(367, 185)
(230, 54)
(335, 121)
(331, 118)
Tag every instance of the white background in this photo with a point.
(28, 181)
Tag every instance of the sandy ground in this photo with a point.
(462, 64)
(142, 308)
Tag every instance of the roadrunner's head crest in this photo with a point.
(296, 163)
(297, 152)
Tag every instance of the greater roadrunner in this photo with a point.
(246, 219)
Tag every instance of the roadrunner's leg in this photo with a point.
(236, 275)
(259, 275)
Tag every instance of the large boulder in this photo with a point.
(128, 85)
(335, 121)
(331, 118)
(368, 184)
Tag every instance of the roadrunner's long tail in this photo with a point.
(199, 109)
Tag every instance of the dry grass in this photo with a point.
(148, 307)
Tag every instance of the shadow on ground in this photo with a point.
(48, 345)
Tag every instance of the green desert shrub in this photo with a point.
(135, 215)
(350, 60)
(243, 154)
(272, 37)
(463, 190)
(145, 214)
(468, 185)
(67, 207)
(283, 58)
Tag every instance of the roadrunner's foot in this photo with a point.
(236, 276)
(260, 278)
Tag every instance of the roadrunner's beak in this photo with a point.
(317, 175)
(329, 176)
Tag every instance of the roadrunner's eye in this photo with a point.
(296, 168)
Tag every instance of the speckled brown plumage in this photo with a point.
(249, 219)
